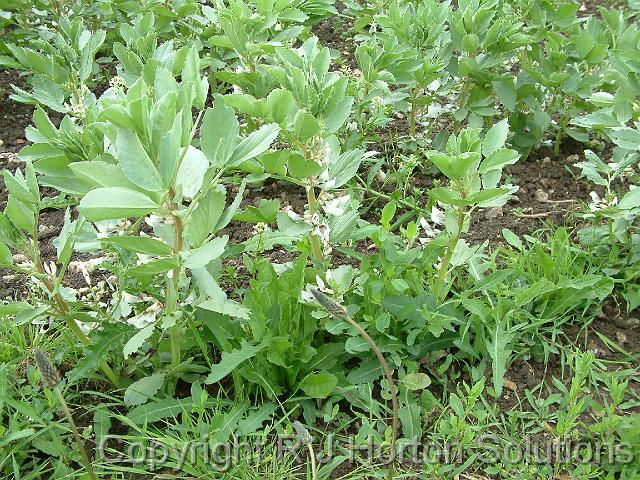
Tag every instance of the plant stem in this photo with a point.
(449, 255)
(312, 456)
(76, 435)
(612, 235)
(461, 100)
(387, 197)
(313, 208)
(392, 386)
(412, 116)
(560, 134)
(173, 285)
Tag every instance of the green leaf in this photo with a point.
(512, 239)
(19, 214)
(254, 144)
(147, 245)
(154, 267)
(300, 167)
(141, 391)
(338, 115)
(410, 417)
(135, 162)
(499, 352)
(345, 167)
(626, 138)
(253, 422)
(231, 360)
(102, 174)
(169, 151)
(416, 381)
(201, 256)
(226, 307)
(506, 91)
(219, 133)
(165, 408)
(265, 212)
(457, 166)
(13, 308)
(388, 212)
(319, 385)
(113, 203)
(17, 186)
(630, 200)
(191, 172)
(496, 137)
(498, 159)
(135, 342)
(6, 259)
(206, 215)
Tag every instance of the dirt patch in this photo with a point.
(621, 329)
(549, 192)
(332, 32)
(592, 7)
(15, 116)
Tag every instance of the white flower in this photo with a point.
(118, 83)
(51, 268)
(86, 327)
(293, 215)
(437, 215)
(147, 317)
(108, 227)
(598, 203)
(435, 85)
(260, 228)
(157, 221)
(333, 205)
(429, 231)
(307, 297)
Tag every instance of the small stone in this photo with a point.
(495, 212)
(515, 199)
(19, 141)
(626, 323)
(621, 337)
(541, 196)
(508, 384)
(546, 160)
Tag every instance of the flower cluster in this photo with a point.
(118, 83)
(431, 230)
(597, 204)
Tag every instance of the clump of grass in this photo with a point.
(51, 379)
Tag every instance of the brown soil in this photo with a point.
(527, 374)
(15, 116)
(333, 33)
(545, 173)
